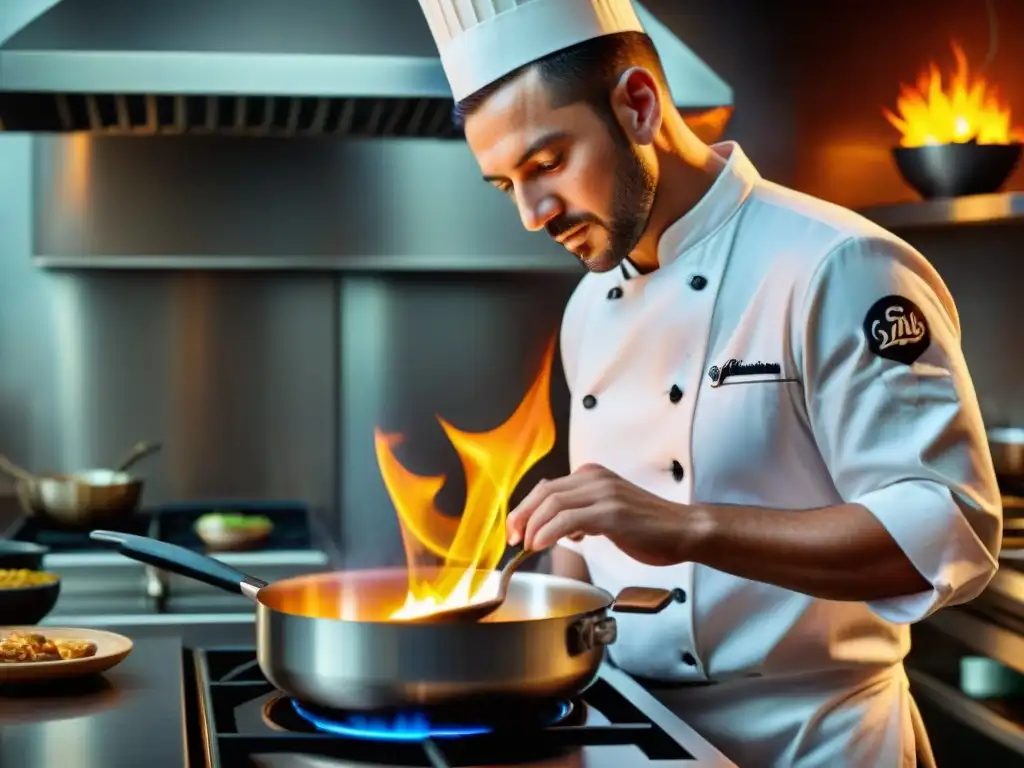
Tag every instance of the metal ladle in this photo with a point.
(476, 611)
(15, 472)
(139, 451)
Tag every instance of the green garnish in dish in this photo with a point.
(233, 520)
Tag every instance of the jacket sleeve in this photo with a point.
(893, 410)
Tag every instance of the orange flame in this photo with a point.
(969, 109)
(470, 546)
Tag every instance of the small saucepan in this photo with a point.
(1007, 447)
(82, 499)
(326, 639)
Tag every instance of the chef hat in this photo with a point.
(481, 41)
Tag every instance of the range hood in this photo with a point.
(278, 67)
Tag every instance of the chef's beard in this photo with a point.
(634, 195)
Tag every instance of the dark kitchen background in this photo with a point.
(266, 383)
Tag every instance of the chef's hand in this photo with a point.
(594, 501)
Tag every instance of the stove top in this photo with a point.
(614, 724)
(169, 706)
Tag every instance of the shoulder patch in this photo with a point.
(895, 329)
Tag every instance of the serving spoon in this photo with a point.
(476, 611)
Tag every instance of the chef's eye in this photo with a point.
(550, 165)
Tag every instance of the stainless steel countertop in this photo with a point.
(128, 718)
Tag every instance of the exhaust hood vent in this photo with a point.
(241, 115)
(255, 67)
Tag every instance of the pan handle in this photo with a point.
(598, 630)
(641, 600)
(139, 451)
(182, 561)
(11, 469)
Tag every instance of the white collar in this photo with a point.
(717, 206)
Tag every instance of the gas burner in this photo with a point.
(438, 723)
(246, 721)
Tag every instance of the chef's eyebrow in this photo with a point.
(539, 145)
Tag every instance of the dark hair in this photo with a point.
(585, 72)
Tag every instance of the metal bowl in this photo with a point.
(85, 500)
(16, 555)
(953, 170)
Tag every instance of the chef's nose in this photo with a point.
(538, 211)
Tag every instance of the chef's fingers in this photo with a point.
(585, 519)
(515, 523)
(578, 536)
(552, 506)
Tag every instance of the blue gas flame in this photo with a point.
(401, 727)
(413, 726)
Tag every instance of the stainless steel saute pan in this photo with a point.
(326, 639)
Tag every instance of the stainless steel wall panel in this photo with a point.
(290, 203)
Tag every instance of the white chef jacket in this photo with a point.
(788, 354)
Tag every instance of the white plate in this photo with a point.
(111, 650)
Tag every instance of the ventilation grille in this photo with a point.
(232, 115)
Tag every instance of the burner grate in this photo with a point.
(605, 729)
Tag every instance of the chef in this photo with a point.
(771, 413)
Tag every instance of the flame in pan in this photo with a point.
(967, 108)
(469, 546)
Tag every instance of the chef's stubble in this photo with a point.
(634, 197)
(634, 189)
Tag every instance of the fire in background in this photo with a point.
(965, 108)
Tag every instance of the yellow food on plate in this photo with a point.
(75, 649)
(21, 578)
(20, 648)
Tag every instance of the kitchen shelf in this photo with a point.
(973, 209)
(965, 710)
(364, 264)
(981, 635)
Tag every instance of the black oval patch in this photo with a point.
(895, 329)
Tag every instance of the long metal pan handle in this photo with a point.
(182, 561)
(11, 469)
(139, 451)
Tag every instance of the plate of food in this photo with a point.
(226, 530)
(37, 654)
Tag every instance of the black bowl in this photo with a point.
(27, 606)
(21, 554)
(953, 170)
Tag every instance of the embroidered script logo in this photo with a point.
(735, 368)
(895, 329)
(898, 326)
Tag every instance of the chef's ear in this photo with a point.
(636, 102)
